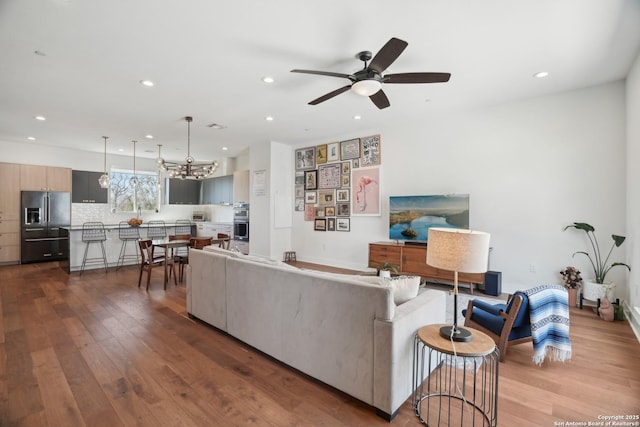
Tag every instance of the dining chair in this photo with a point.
(226, 240)
(200, 242)
(181, 255)
(148, 260)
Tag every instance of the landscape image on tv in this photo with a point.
(410, 217)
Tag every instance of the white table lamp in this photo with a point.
(460, 251)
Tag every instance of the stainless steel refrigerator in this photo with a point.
(46, 216)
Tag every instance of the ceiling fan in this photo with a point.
(369, 80)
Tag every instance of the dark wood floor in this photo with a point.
(94, 350)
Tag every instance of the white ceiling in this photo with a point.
(207, 59)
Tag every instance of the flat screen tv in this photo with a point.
(410, 217)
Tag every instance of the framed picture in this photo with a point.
(331, 224)
(356, 163)
(366, 192)
(320, 224)
(370, 149)
(329, 176)
(321, 154)
(299, 205)
(333, 152)
(342, 195)
(343, 224)
(299, 191)
(310, 197)
(350, 149)
(326, 197)
(309, 212)
(320, 212)
(342, 209)
(346, 181)
(311, 180)
(305, 158)
(330, 211)
(299, 178)
(346, 168)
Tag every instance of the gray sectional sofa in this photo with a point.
(338, 329)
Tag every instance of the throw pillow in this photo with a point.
(404, 287)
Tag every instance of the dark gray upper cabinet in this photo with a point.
(183, 191)
(218, 190)
(86, 189)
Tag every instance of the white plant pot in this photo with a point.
(594, 291)
(385, 273)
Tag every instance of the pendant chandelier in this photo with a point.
(189, 169)
(104, 178)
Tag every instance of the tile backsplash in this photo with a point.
(90, 212)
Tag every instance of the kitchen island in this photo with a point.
(111, 246)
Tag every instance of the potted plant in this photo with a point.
(597, 288)
(386, 268)
(572, 281)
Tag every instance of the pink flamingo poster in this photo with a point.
(365, 191)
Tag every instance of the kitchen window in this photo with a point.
(125, 197)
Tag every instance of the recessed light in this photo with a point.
(41, 118)
(267, 79)
(31, 138)
(269, 118)
(225, 148)
(121, 149)
(357, 117)
(147, 83)
(541, 74)
(149, 136)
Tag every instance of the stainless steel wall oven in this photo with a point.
(241, 222)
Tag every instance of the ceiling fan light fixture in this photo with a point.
(366, 87)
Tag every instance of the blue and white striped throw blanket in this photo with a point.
(549, 313)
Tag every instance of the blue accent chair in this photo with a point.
(507, 324)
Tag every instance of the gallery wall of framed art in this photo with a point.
(337, 181)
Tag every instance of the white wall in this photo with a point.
(531, 167)
(633, 191)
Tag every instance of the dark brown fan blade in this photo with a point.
(380, 99)
(417, 78)
(324, 73)
(387, 55)
(330, 95)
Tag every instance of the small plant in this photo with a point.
(571, 277)
(599, 264)
(387, 266)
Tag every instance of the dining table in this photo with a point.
(169, 246)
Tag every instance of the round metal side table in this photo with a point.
(455, 384)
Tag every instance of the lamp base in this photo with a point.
(460, 334)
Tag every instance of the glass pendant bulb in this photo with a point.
(104, 181)
(104, 178)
